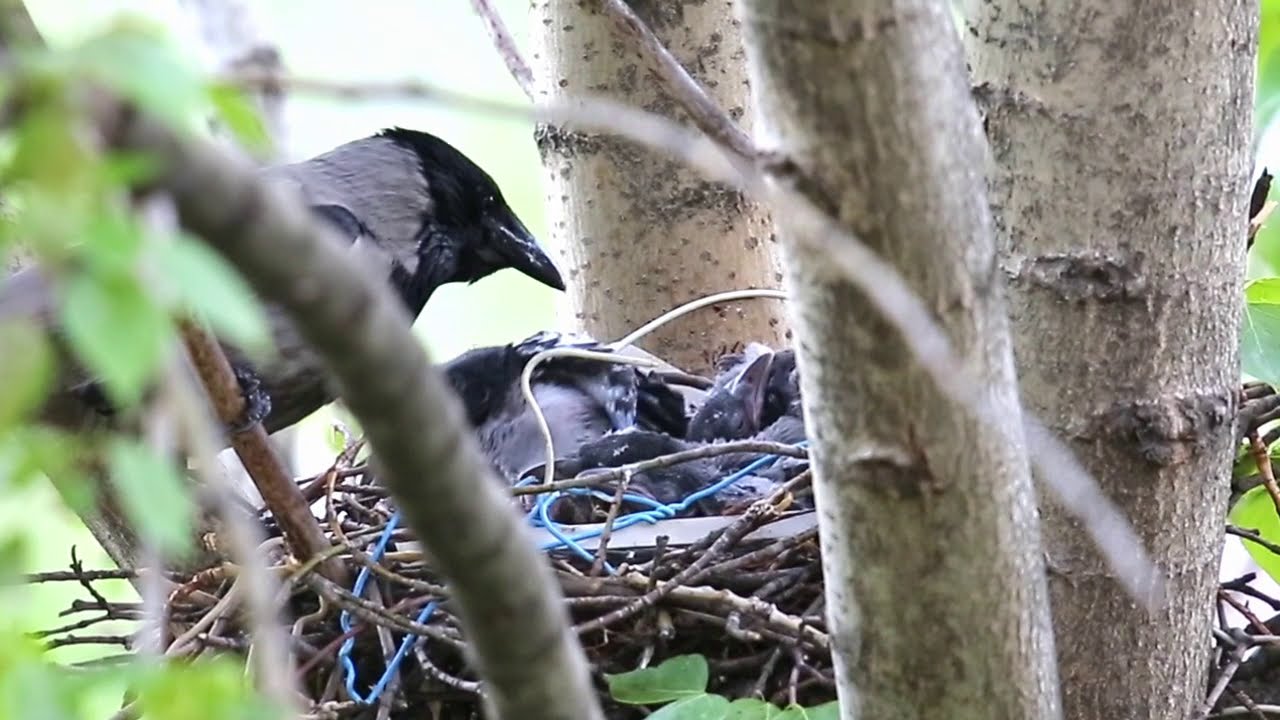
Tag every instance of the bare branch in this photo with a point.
(279, 492)
(505, 44)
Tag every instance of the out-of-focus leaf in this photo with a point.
(115, 240)
(697, 707)
(752, 709)
(116, 330)
(136, 60)
(1264, 258)
(1268, 77)
(153, 494)
(236, 110)
(206, 690)
(1255, 510)
(121, 168)
(13, 556)
(26, 364)
(32, 688)
(678, 677)
(1260, 336)
(28, 451)
(827, 711)
(207, 284)
(49, 151)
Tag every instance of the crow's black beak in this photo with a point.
(512, 241)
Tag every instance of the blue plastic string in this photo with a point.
(539, 516)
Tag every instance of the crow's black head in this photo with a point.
(469, 232)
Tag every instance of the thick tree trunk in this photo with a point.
(935, 584)
(1120, 139)
(640, 233)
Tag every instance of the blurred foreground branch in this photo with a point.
(506, 600)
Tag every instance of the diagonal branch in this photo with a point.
(508, 604)
(279, 492)
(705, 112)
(505, 44)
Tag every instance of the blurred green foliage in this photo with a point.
(120, 282)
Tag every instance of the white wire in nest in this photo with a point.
(526, 387)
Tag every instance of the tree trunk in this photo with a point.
(1120, 140)
(639, 233)
(935, 584)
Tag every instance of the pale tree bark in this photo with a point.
(935, 584)
(640, 233)
(1120, 139)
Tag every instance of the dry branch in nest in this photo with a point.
(747, 595)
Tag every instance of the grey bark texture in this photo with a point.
(934, 581)
(640, 233)
(513, 615)
(1120, 139)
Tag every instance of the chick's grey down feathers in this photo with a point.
(415, 210)
(582, 400)
(736, 408)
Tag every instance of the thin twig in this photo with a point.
(1254, 537)
(505, 45)
(752, 519)
(1262, 457)
(244, 535)
(597, 565)
(1220, 685)
(278, 490)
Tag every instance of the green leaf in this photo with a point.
(236, 110)
(116, 330)
(204, 282)
(826, 711)
(115, 241)
(49, 151)
(679, 677)
(1268, 71)
(26, 364)
(153, 494)
(1255, 510)
(13, 557)
(752, 709)
(29, 451)
(205, 690)
(136, 60)
(697, 707)
(1260, 336)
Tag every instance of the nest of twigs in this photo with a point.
(747, 600)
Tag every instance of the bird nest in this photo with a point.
(744, 591)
